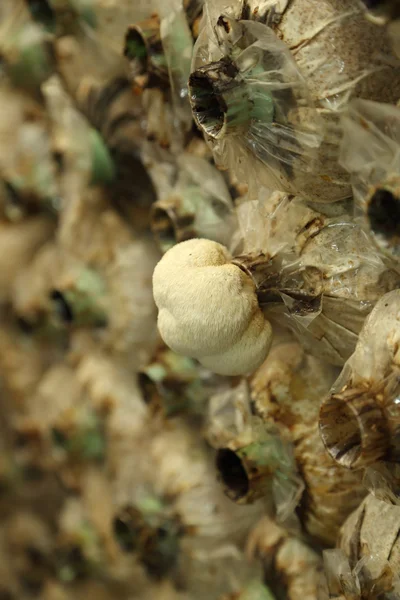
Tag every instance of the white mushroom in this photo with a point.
(208, 308)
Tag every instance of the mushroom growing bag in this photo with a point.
(268, 98)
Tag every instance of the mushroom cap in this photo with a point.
(208, 305)
(247, 354)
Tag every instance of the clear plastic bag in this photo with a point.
(360, 420)
(254, 460)
(286, 390)
(274, 94)
(199, 205)
(318, 274)
(370, 151)
(249, 100)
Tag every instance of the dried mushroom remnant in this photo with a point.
(360, 420)
(208, 308)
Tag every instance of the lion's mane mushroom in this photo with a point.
(208, 308)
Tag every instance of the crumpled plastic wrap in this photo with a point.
(382, 479)
(108, 485)
(370, 151)
(83, 155)
(316, 271)
(360, 420)
(338, 581)
(25, 529)
(340, 52)
(96, 81)
(368, 561)
(79, 56)
(115, 115)
(381, 11)
(79, 529)
(358, 536)
(64, 429)
(274, 94)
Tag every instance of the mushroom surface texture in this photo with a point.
(208, 308)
